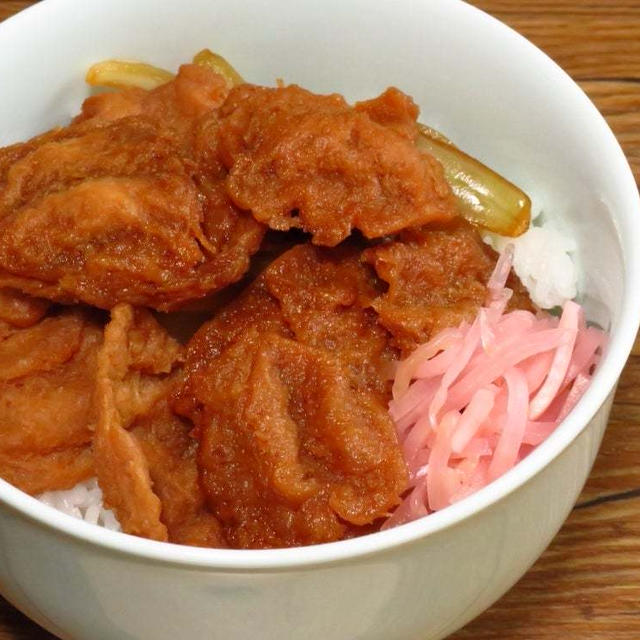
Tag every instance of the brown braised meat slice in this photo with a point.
(149, 474)
(20, 310)
(296, 443)
(297, 159)
(35, 473)
(294, 455)
(437, 278)
(46, 385)
(105, 240)
(46, 389)
(114, 209)
(171, 453)
(185, 110)
(254, 309)
(321, 298)
(133, 373)
(175, 106)
(325, 298)
(72, 155)
(63, 388)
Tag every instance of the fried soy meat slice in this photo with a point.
(46, 390)
(171, 453)
(175, 106)
(296, 445)
(134, 372)
(71, 155)
(20, 310)
(114, 215)
(297, 159)
(436, 279)
(292, 455)
(185, 110)
(325, 298)
(47, 374)
(36, 473)
(318, 296)
(254, 309)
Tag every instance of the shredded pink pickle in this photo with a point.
(475, 400)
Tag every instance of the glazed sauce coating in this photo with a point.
(133, 363)
(300, 160)
(20, 310)
(296, 443)
(49, 370)
(114, 208)
(171, 453)
(436, 279)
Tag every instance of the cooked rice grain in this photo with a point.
(84, 502)
(542, 260)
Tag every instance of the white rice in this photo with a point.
(84, 502)
(542, 259)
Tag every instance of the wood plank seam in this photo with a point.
(623, 495)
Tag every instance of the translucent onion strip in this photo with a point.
(485, 198)
(123, 74)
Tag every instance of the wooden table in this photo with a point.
(587, 584)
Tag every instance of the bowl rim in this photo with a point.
(233, 560)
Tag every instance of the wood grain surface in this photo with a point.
(587, 584)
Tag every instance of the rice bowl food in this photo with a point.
(269, 427)
(84, 501)
(447, 530)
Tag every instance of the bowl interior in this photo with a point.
(488, 89)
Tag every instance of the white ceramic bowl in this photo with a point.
(502, 100)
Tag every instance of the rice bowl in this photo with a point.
(497, 532)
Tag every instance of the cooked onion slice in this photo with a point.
(486, 199)
(207, 58)
(121, 74)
